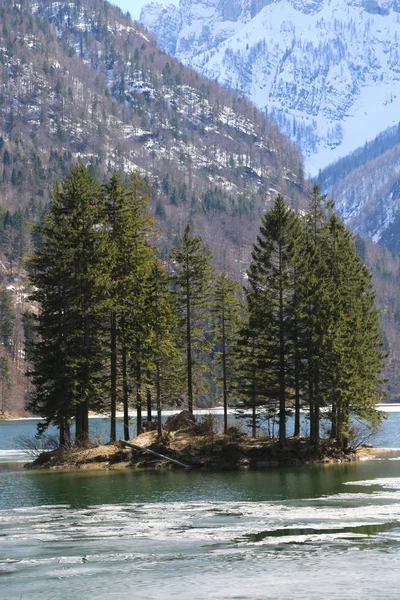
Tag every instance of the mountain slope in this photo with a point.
(81, 80)
(327, 71)
(366, 188)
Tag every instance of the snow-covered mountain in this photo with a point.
(328, 71)
(366, 188)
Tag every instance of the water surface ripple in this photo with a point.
(306, 533)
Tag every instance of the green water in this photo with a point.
(303, 533)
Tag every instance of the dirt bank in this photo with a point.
(198, 450)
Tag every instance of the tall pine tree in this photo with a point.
(270, 295)
(226, 322)
(192, 291)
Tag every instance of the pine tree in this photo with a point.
(68, 271)
(339, 338)
(270, 294)
(50, 370)
(249, 370)
(192, 290)
(226, 322)
(355, 346)
(130, 261)
(314, 292)
(165, 369)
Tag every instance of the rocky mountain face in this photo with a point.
(366, 188)
(327, 71)
(82, 81)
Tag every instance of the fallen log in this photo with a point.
(157, 454)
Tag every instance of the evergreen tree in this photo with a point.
(68, 272)
(355, 345)
(250, 376)
(130, 261)
(226, 321)
(314, 291)
(165, 365)
(338, 331)
(192, 290)
(270, 295)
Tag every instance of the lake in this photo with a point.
(305, 533)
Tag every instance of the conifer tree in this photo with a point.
(270, 294)
(50, 369)
(130, 260)
(192, 290)
(338, 324)
(251, 378)
(67, 270)
(314, 295)
(355, 356)
(226, 322)
(165, 369)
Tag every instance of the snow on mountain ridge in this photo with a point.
(328, 71)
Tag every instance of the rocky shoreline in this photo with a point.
(195, 446)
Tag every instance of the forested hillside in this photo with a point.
(365, 186)
(81, 81)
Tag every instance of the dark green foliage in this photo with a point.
(67, 271)
(226, 321)
(106, 325)
(270, 296)
(113, 325)
(313, 330)
(192, 291)
(165, 369)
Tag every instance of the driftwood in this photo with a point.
(141, 449)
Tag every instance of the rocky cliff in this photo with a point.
(327, 71)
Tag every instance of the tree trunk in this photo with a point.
(148, 402)
(224, 378)
(282, 378)
(296, 431)
(113, 427)
(315, 419)
(189, 353)
(82, 423)
(62, 432)
(125, 394)
(189, 339)
(158, 394)
(311, 404)
(138, 401)
(254, 413)
(334, 419)
(67, 427)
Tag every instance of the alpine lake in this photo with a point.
(295, 533)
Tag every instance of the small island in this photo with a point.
(117, 325)
(187, 444)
